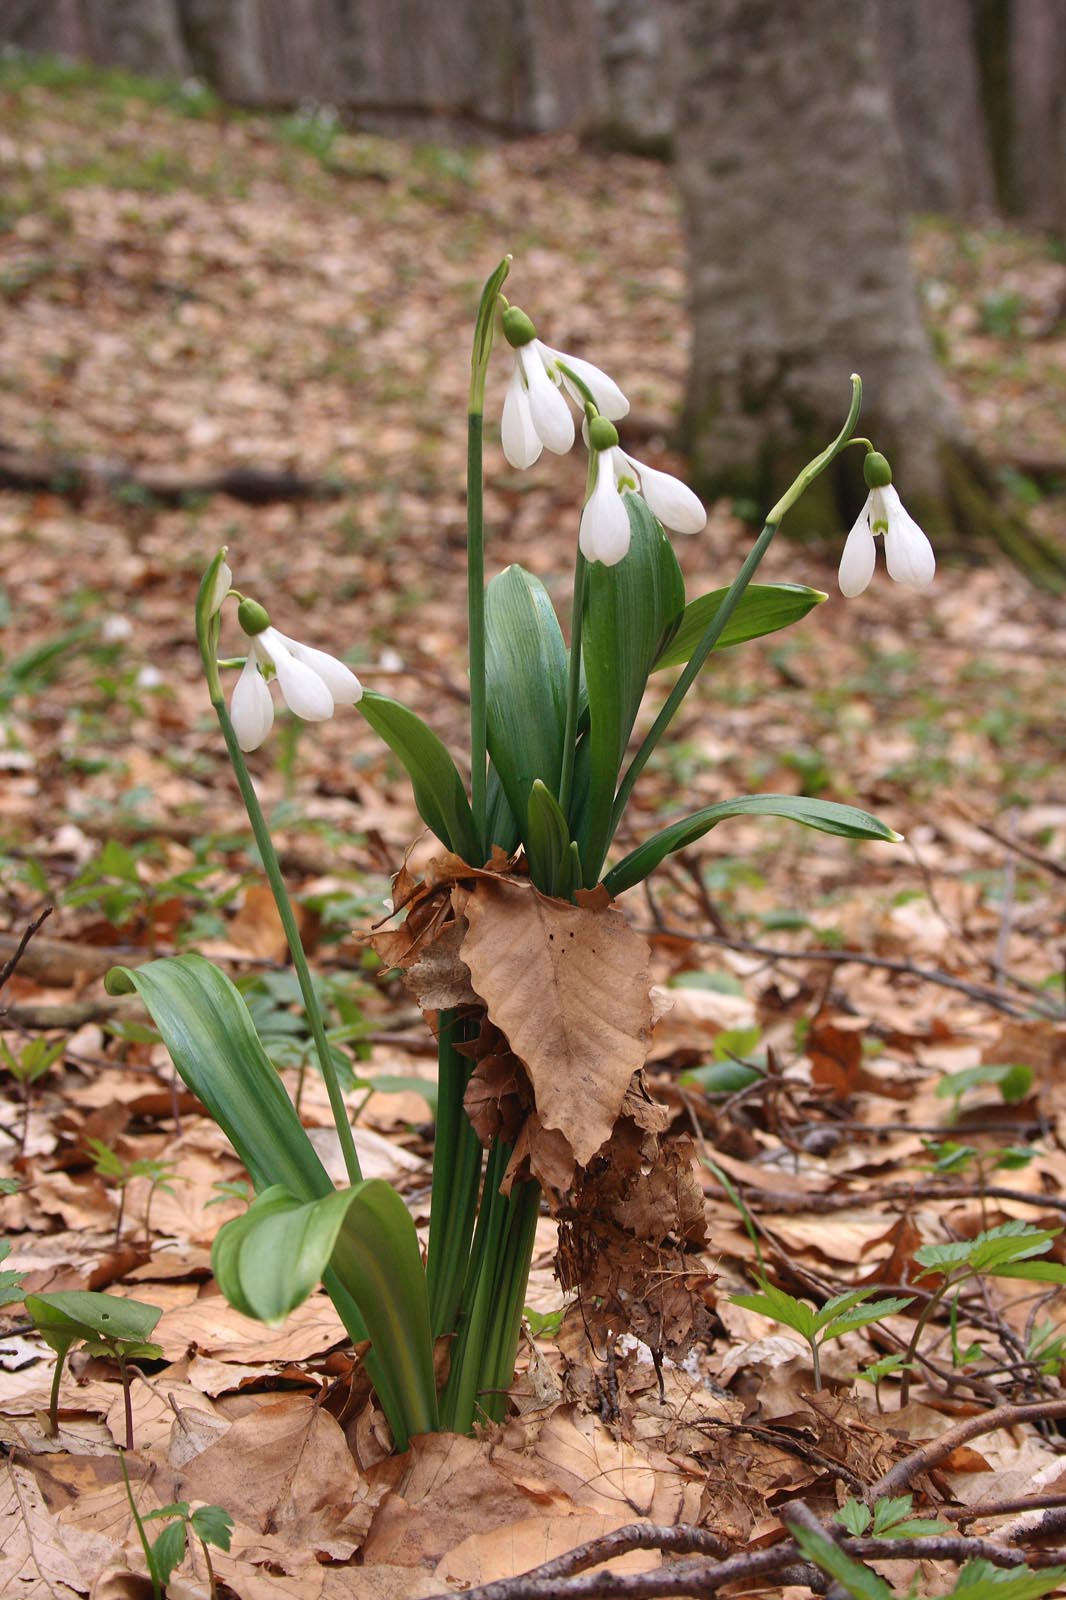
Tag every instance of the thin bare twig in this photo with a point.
(841, 958)
(20, 949)
(898, 1478)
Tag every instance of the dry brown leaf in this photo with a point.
(284, 1469)
(212, 1327)
(39, 1558)
(569, 988)
(605, 1474)
(506, 1552)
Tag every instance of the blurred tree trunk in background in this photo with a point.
(931, 53)
(791, 173)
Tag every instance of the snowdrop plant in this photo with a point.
(551, 773)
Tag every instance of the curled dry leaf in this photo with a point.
(570, 989)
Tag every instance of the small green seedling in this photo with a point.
(1046, 1348)
(842, 1314)
(1011, 1078)
(889, 1519)
(977, 1580)
(209, 1524)
(732, 1068)
(10, 1282)
(31, 1064)
(1003, 1252)
(106, 1325)
(109, 1165)
(877, 1371)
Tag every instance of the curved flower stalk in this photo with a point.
(312, 683)
(908, 553)
(534, 411)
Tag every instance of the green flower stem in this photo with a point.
(573, 692)
(475, 544)
(459, 1406)
(688, 677)
(457, 1159)
(920, 1326)
(475, 591)
(502, 1343)
(272, 868)
(725, 610)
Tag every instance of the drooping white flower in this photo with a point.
(666, 497)
(604, 534)
(908, 553)
(312, 683)
(535, 413)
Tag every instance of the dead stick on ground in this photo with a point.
(899, 1478)
(20, 949)
(842, 958)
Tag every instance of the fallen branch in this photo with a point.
(783, 1203)
(254, 486)
(58, 962)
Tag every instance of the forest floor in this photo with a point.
(184, 292)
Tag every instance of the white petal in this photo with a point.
(340, 680)
(860, 555)
(549, 411)
(605, 531)
(520, 440)
(908, 553)
(303, 691)
(672, 501)
(609, 398)
(251, 707)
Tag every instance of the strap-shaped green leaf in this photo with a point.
(827, 816)
(632, 613)
(526, 662)
(762, 608)
(500, 825)
(548, 844)
(438, 789)
(268, 1262)
(206, 1027)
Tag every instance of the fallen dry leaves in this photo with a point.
(253, 306)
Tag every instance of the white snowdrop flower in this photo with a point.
(604, 534)
(908, 553)
(610, 401)
(666, 497)
(312, 683)
(149, 677)
(535, 413)
(115, 628)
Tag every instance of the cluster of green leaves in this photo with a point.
(636, 623)
(210, 1525)
(10, 1282)
(891, 1518)
(1011, 1078)
(844, 1313)
(114, 1169)
(977, 1580)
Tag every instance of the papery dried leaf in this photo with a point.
(497, 1098)
(569, 987)
(541, 1153)
(438, 977)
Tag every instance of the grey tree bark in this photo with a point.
(791, 173)
(931, 54)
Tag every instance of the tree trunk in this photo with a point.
(1037, 68)
(931, 54)
(636, 50)
(791, 175)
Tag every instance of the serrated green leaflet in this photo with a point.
(762, 608)
(827, 816)
(855, 1578)
(436, 784)
(268, 1262)
(526, 662)
(633, 610)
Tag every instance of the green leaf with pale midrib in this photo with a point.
(827, 816)
(762, 608)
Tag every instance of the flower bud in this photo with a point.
(518, 329)
(603, 435)
(876, 470)
(253, 617)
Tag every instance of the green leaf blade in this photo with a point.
(763, 608)
(825, 816)
(438, 789)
